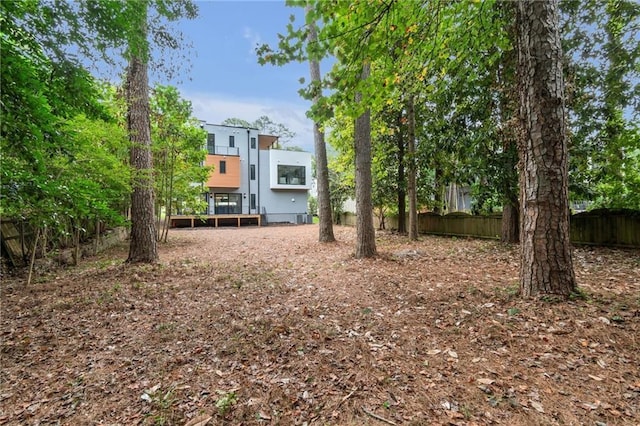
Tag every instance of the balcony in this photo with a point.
(223, 150)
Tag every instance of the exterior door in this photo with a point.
(228, 203)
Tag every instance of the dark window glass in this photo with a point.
(253, 143)
(253, 201)
(252, 172)
(211, 143)
(223, 167)
(232, 141)
(291, 175)
(228, 203)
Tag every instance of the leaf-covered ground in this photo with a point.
(267, 326)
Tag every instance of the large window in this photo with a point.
(211, 143)
(291, 175)
(223, 167)
(232, 141)
(228, 203)
(252, 172)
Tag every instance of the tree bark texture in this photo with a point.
(365, 231)
(402, 195)
(411, 176)
(325, 230)
(510, 231)
(546, 265)
(143, 246)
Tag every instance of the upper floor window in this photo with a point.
(232, 141)
(291, 175)
(253, 143)
(252, 172)
(211, 143)
(223, 167)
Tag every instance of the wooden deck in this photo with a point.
(215, 220)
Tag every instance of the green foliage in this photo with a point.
(61, 146)
(313, 205)
(602, 44)
(178, 150)
(226, 401)
(444, 54)
(63, 149)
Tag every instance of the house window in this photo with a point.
(253, 201)
(253, 143)
(232, 141)
(228, 203)
(252, 172)
(211, 143)
(291, 175)
(223, 167)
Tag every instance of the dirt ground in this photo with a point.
(266, 326)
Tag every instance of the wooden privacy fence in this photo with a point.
(620, 228)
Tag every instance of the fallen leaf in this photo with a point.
(589, 406)
(596, 378)
(199, 421)
(153, 389)
(434, 352)
(537, 406)
(486, 381)
(264, 416)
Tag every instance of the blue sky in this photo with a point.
(225, 79)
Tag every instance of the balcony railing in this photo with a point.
(224, 150)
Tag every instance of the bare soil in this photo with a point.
(267, 326)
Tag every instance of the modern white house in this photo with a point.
(253, 179)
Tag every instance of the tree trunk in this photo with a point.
(365, 232)
(76, 245)
(169, 200)
(33, 257)
(411, 176)
(437, 191)
(325, 230)
(510, 232)
(546, 265)
(143, 245)
(402, 195)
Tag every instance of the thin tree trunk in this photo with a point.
(365, 231)
(169, 199)
(96, 237)
(546, 265)
(325, 229)
(33, 256)
(45, 231)
(143, 244)
(411, 176)
(437, 192)
(161, 193)
(76, 245)
(402, 194)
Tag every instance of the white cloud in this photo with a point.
(254, 40)
(215, 108)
